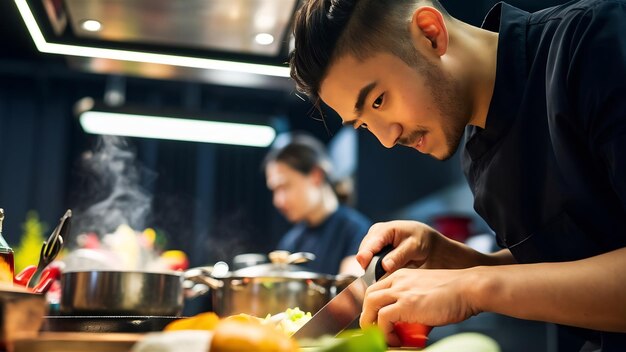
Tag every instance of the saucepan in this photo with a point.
(121, 293)
(270, 288)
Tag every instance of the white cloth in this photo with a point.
(175, 341)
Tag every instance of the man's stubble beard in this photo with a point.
(447, 93)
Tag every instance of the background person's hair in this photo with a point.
(304, 153)
(325, 30)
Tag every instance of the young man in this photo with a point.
(541, 100)
(300, 176)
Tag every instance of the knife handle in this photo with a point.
(378, 269)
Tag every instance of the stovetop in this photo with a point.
(126, 324)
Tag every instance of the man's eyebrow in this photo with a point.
(360, 100)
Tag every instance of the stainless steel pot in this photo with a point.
(120, 293)
(268, 288)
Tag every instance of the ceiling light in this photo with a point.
(264, 38)
(91, 25)
(138, 56)
(174, 128)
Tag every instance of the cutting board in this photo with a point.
(78, 341)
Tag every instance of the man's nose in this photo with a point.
(387, 134)
(278, 200)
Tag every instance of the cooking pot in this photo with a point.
(121, 293)
(257, 290)
(269, 288)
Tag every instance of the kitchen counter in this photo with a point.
(92, 342)
(78, 341)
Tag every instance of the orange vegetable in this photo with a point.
(247, 333)
(243, 317)
(202, 321)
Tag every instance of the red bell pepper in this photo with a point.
(412, 334)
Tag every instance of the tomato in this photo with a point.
(412, 334)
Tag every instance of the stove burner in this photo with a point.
(127, 324)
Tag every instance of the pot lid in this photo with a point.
(282, 265)
(274, 270)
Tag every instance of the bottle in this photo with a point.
(6, 258)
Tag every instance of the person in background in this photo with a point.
(541, 100)
(299, 175)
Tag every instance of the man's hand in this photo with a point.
(417, 245)
(413, 242)
(429, 297)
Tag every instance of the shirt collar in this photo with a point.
(510, 23)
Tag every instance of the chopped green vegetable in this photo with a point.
(370, 339)
(296, 314)
(290, 320)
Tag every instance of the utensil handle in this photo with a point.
(378, 269)
(35, 278)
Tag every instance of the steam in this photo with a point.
(232, 235)
(112, 192)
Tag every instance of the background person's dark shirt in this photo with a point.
(331, 241)
(548, 172)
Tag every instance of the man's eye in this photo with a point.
(378, 102)
(363, 126)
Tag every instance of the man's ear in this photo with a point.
(318, 176)
(428, 30)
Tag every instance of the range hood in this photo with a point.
(232, 42)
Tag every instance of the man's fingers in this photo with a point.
(386, 317)
(399, 257)
(377, 296)
(364, 257)
(403, 236)
(374, 301)
(404, 254)
(372, 243)
(390, 262)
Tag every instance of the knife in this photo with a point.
(346, 306)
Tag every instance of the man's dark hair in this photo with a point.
(325, 30)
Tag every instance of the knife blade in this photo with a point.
(346, 306)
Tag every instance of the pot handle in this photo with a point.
(286, 257)
(342, 280)
(300, 257)
(198, 281)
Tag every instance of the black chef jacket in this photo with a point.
(548, 171)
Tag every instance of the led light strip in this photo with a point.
(127, 55)
(130, 125)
